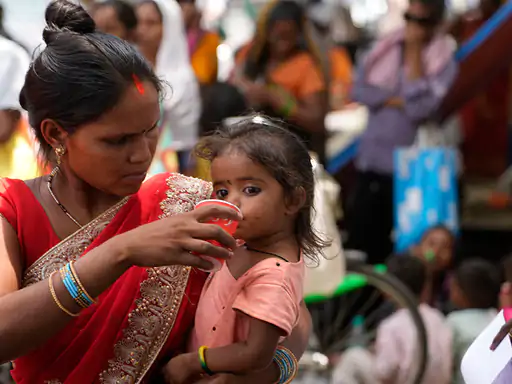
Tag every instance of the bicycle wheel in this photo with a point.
(332, 319)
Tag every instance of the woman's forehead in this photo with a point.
(138, 109)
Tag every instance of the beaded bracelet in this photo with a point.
(75, 287)
(56, 299)
(202, 360)
(287, 363)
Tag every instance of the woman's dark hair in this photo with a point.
(81, 74)
(410, 270)
(278, 10)
(124, 11)
(287, 159)
(480, 283)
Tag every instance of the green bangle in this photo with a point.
(287, 109)
(202, 360)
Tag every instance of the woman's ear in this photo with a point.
(53, 133)
(296, 201)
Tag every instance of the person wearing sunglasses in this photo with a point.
(402, 82)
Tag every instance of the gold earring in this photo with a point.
(59, 152)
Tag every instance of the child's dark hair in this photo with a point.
(411, 271)
(438, 227)
(480, 282)
(282, 153)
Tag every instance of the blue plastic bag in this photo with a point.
(425, 192)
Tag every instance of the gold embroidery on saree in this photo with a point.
(71, 248)
(151, 322)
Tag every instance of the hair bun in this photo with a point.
(64, 15)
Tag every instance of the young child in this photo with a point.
(475, 288)
(252, 303)
(436, 250)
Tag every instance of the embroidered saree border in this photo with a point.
(152, 320)
(69, 249)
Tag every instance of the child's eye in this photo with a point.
(221, 193)
(252, 190)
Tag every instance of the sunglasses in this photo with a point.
(423, 21)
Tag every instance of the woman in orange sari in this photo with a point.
(97, 271)
(202, 45)
(280, 72)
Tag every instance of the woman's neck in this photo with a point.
(84, 202)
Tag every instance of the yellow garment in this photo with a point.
(17, 158)
(204, 59)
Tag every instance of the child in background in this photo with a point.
(393, 361)
(253, 302)
(436, 249)
(474, 290)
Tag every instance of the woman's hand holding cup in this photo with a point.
(178, 240)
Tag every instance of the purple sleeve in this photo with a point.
(423, 96)
(371, 96)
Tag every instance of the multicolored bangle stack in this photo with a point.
(73, 286)
(202, 360)
(287, 363)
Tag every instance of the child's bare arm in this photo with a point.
(254, 354)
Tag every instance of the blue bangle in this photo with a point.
(73, 288)
(287, 363)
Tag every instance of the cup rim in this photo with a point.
(231, 205)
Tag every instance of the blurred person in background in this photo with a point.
(17, 151)
(484, 118)
(280, 72)
(393, 359)
(116, 17)
(402, 82)
(336, 62)
(474, 291)
(202, 44)
(162, 40)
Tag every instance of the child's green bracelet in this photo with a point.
(202, 360)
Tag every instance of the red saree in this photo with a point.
(141, 319)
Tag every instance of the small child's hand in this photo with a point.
(182, 369)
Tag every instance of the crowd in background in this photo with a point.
(292, 70)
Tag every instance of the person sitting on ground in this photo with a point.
(436, 249)
(393, 361)
(474, 290)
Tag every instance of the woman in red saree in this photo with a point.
(131, 243)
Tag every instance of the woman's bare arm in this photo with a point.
(29, 316)
(309, 113)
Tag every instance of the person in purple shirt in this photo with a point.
(402, 81)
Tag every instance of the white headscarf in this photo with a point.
(182, 105)
(14, 64)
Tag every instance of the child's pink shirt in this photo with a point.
(270, 291)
